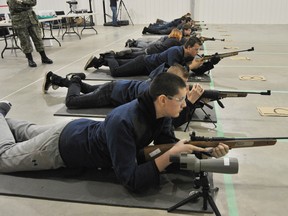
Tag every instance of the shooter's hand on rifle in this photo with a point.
(215, 59)
(220, 150)
(180, 147)
(195, 93)
(196, 63)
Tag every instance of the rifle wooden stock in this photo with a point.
(224, 55)
(152, 152)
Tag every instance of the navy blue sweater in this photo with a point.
(173, 55)
(170, 56)
(116, 142)
(160, 46)
(125, 91)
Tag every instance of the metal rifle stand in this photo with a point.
(200, 105)
(120, 11)
(202, 182)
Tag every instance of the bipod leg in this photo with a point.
(208, 117)
(189, 120)
(183, 202)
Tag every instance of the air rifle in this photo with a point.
(216, 95)
(203, 39)
(151, 152)
(224, 55)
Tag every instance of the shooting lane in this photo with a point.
(259, 188)
(244, 119)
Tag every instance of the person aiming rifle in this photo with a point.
(112, 143)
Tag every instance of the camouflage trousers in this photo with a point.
(24, 35)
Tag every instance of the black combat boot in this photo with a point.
(45, 59)
(31, 62)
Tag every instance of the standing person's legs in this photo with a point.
(39, 151)
(99, 97)
(25, 42)
(35, 33)
(114, 16)
(134, 67)
(26, 45)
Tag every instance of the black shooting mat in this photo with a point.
(102, 187)
(105, 75)
(198, 116)
(92, 112)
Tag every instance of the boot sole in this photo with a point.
(88, 63)
(44, 83)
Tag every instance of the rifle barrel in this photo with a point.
(223, 55)
(267, 92)
(219, 139)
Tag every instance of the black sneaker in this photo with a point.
(31, 63)
(99, 62)
(71, 75)
(90, 62)
(128, 43)
(144, 30)
(5, 107)
(47, 61)
(47, 83)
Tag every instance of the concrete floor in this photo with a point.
(260, 187)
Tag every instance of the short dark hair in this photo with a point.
(192, 41)
(166, 84)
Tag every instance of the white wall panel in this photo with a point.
(211, 11)
(242, 11)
